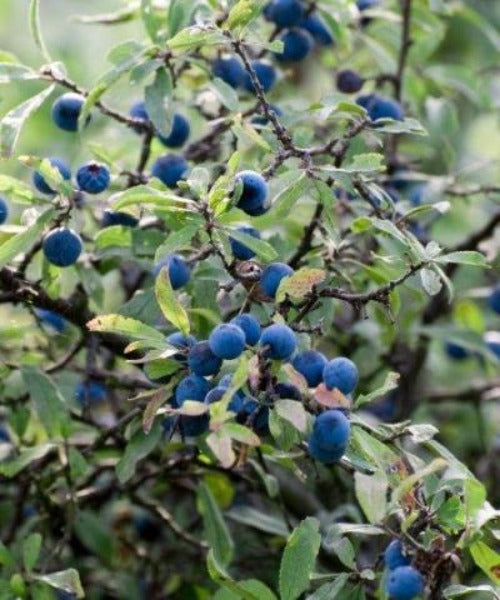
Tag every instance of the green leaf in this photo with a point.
(122, 15)
(171, 308)
(34, 23)
(486, 559)
(68, 581)
(12, 122)
(49, 403)
(431, 281)
(17, 189)
(22, 242)
(31, 550)
(301, 283)
(293, 412)
(127, 327)
(179, 15)
(50, 173)
(248, 586)
(263, 521)
(243, 12)
(12, 467)
(6, 558)
(286, 199)
(371, 493)
(216, 529)
(139, 446)
(366, 163)
(94, 535)
(458, 591)
(144, 194)
(331, 590)
(391, 383)
(219, 575)
(263, 249)
(155, 97)
(177, 240)
(299, 558)
(466, 257)
(195, 36)
(16, 72)
(151, 21)
(226, 94)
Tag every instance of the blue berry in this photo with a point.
(178, 134)
(266, 76)
(341, 373)
(288, 391)
(62, 247)
(93, 178)
(284, 13)
(317, 28)
(227, 341)
(262, 119)
(4, 210)
(281, 341)
(40, 183)
(254, 193)
(112, 217)
(349, 82)
(310, 364)
(170, 169)
(4, 435)
(182, 342)
(297, 44)
(394, 557)
(417, 194)
(494, 299)
(366, 4)
(404, 583)
(179, 272)
(272, 276)
(202, 361)
(239, 250)
(192, 387)
(90, 392)
(379, 107)
(229, 69)
(66, 110)
(456, 351)
(250, 327)
(138, 111)
(330, 436)
(52, 319)
(256, 415)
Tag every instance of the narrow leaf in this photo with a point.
(171, 308)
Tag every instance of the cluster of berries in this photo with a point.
(404, 582)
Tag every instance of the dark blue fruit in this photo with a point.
(349, 82)
(254, 193)
(330, 436)
(62, 247)
(192, 387)
(404, 583)
(227, 341)
(182, 342)
(297, 44)
(317, 28)
(179, 272)
(265, 73)
(250, 327)
(112, 217)
(138, 111)
(239, 250)
(178, 134)
(93, 178)
(40, 183)
(255, 415)
(288, 391)
(280, 341)
(379, 107)
(170, 169)
(284, 13)
(229, 69)
(492, 340)
(342, 374)
(417, 194)
(4, 210)
(456, 351)
(52, 319)
(394, 556)
(90, 392)
(272, 276)
(494, 299)
(366, 4)
(310, 365)
(66, 110)
(202, 361)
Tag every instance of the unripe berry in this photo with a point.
(4, 210)
(404, 583)
(281, 342)
(297, 44)
(342, 374)
(227, 341)
(266, 76)
(179, 272)
(202, 361)
(310, 364)
(230, 70)
(66, 110)
(250, 327)
(93, 178)
(349, 82)
(239, 250)
(254, 193)
(62, 246)
(170, 169)
(40, 183)
(272, 276)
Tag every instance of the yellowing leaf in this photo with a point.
(301, 283)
